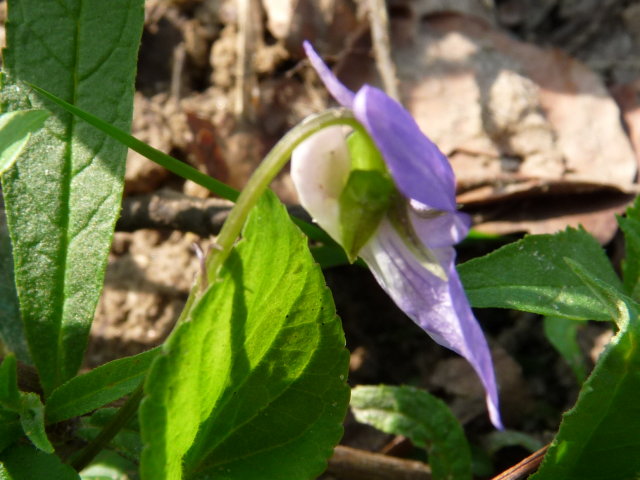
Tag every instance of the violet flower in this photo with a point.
(410, 250)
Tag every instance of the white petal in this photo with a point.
(320, 168)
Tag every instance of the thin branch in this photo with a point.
(526, 467)
(171, 210)
(353, 464)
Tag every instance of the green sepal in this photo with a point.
(363, 203)
(364, 153)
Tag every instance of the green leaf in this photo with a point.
(32, 420)
(630, 226)
(561, 332)
(63, 194)
(253, 385)
(363, 202)
(98, 387)
(531, 275)
(421, 417)
(15, 130)
(22, 462)
(11, 329)
(599, 438)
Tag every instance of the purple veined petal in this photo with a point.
(420, 170)
(342, 94)
(439, 307)
(438, 229)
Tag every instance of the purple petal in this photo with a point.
(442, 230)
(420, 170)
(439, 307)
(342, 94)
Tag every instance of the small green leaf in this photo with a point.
(561, 332)
(63, 194)
(363, 202)
(531, 275)
(253, 385)
(15, 130)
(599, 438)
(32, 420)
(98, 387)
(23, 462)
(421, 417)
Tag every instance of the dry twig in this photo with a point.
(526, 467)
(171, 210)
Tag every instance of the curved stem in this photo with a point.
(275, 160)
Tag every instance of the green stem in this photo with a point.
(275, 160)
(95, 446)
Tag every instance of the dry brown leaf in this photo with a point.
(515, 120)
